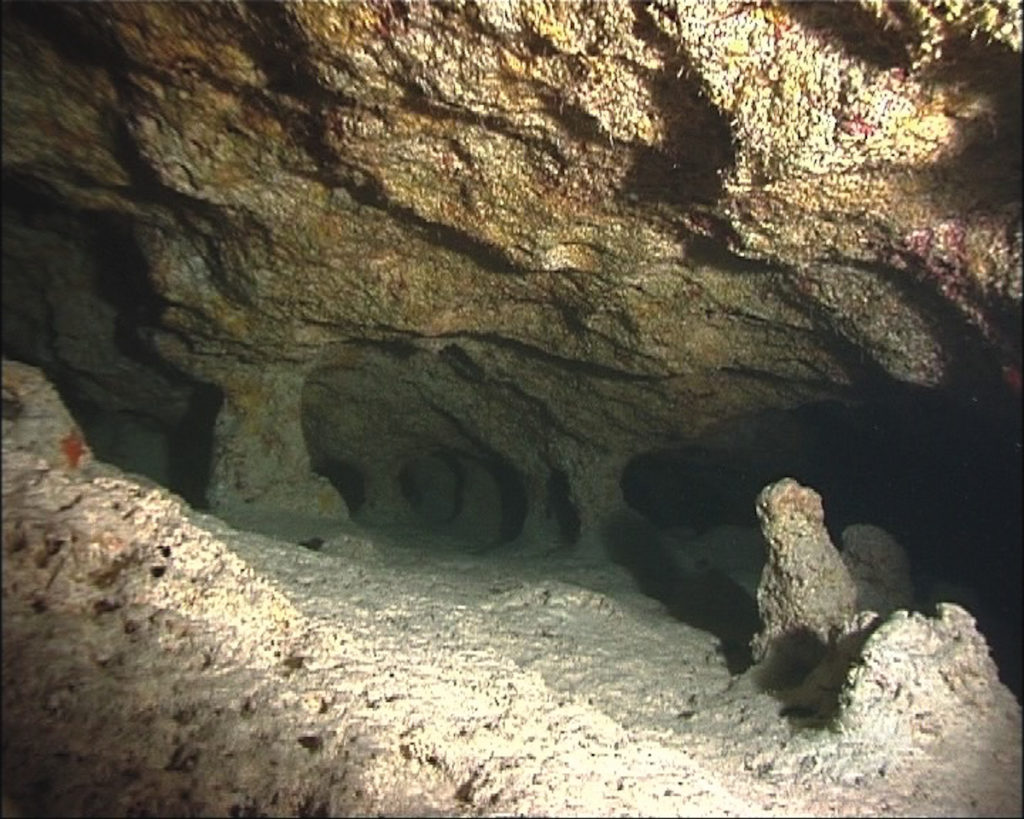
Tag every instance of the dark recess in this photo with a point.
(409, 486)
(676, 174)
(513, 498)
(946, 483)
(411, 483)
(560, 506)
(692, 487)
(347, 479)
(511, 490)
(190, 446)
(857, 29)
(936, 473)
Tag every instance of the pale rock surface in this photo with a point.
(880, 568)
(806, 594)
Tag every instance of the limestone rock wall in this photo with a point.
(561, 234)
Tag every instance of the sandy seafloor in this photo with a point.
(544, 684)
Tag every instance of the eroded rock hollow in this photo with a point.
(543, 283)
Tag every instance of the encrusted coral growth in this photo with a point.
(933, 25)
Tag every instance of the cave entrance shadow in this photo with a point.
(707, 599)
(806, 676)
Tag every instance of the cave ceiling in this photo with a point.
(548, 236)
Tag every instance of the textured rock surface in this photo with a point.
(943, 662)
(879, 567)
(911, 658)
(37, 420)
(806, 595)
(156, 661)
(680, 212)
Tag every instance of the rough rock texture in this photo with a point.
(158, 662)
(806, 595)
(34, 413)
(909, 658)
(536, 237)
(879, 567)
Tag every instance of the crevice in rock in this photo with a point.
(487, 256)
(561, 507)
(514, 501)
(416, 101)
(674, 173)
(570, 364)
(190, 445)
(77, 38)
(857, 29)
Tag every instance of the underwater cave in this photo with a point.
(937, 472)
(471, 344)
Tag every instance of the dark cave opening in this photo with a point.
(477, 498)
(434, 486)
(78, 303)
(692, 487)
(945, 481)
(939, 476)
(514, 503)
(190, 445)
(345, 477)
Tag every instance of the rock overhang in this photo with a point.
(536, 240)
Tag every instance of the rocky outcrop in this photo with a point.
(806, 596)
(839, 648)
(942, 661)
